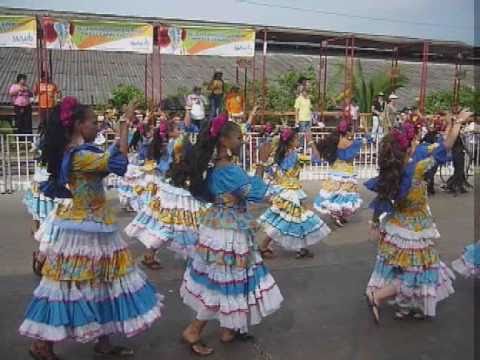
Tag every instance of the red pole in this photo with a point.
(152, 72)
(456, 85)
(145, 90)
(254, 79)
(160, 85)
(424, 78)
(352, 69)
(264, 75)
(39, 47)
(345, 80)
(324, 100)
(320, 65)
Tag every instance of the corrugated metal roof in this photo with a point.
(94, 74)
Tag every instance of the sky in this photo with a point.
(451, 20)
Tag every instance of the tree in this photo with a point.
(366, 88)
(124, 94)
(442, 100)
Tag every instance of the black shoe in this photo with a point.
(463, 190)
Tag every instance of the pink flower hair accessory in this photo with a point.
(217, 125)
(343, 127)
(410, 130)
(67, 107)
(286, 134)
(268, 128)
(401, 138)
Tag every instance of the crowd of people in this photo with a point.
(194, 200)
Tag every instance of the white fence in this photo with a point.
(18, 162)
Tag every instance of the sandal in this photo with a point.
(115, 351)
(44, 353)
(197, 346)
(372, 304)
(37, 264)
(267, 253)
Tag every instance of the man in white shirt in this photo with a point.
(196, 104)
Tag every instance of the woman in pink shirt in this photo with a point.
(21, 94)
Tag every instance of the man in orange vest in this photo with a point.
(47, 94)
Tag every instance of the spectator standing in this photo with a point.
(378, 110)
(303, 111)
(21, 100)
(390, 115)
(196, 104)
(234, 103)
(217, 90)
(47, 95)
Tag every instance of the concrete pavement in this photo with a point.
(324, 315)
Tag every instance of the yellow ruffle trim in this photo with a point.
(407, 258)
(175, 216)
(288, 207)
(81, 268)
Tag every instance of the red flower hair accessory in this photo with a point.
(401, 139)
(217, 125)
(286, 134)
(343, 127)
(67, 107)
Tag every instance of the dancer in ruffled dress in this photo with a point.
(468, 265)
(131, 184)
(408, 268)
(171, 218)
(157, 162)
(287, 222)
(90, 287)
(339, 195)
(225, 279)
(38, 205)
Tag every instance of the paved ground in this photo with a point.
(324, 315)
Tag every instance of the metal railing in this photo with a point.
(18, 159)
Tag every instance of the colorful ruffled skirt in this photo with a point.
(468, 264)
(225, 278)
(90, 286)
(38, 205)
(287, 223)
(339, 194)
(170, 219)
(137, 187)
(407, 259)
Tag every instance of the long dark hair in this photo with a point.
(327, 148)
(159, 144)
(283, 147)
(201, 155)
(391, 164)
(57, 137)
(179, 172)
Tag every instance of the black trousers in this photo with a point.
(44, 116)
(457, 181)
(430, 178)
(23, 119)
